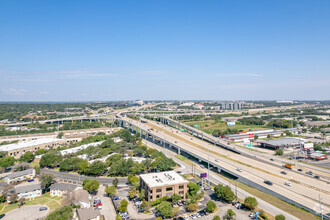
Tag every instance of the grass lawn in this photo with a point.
(184, 159)
(209, 126)
(52, 202)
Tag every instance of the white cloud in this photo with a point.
(16, 92)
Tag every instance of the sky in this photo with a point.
(68, 50)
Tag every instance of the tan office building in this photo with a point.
(158, 185)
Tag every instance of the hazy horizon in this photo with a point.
(79, 51)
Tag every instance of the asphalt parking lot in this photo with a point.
(30, 212)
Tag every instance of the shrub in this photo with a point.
(280, 217)
(210, 206)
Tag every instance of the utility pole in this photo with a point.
(208, 165)
(321, 207)
(236, 189)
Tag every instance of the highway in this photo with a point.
(216, 179)
(251, 174)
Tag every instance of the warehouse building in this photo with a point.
(158, 185)
(288, 142)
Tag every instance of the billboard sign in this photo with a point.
(203, 175)
(230, 123)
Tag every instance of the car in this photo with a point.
(287, 183)
(200, 183)
(300, 170)
(179, 171)
(283, 172)
(239, 169)
(115, 198)
(317, 177)
(30, 180)
(2, 215)
(216, 160)
(202, 166)
(192, 216)
(309, 172)
(43, 208)
(268, 182)
(271, 159)
(207, 188)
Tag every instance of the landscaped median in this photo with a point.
(51, 202)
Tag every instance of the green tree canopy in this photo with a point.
(210, 206)
(250, 203)
(224, 192)
(111, 190)
(27, 157)
(280, 217)
(50, 159)
(46, 180)
(165, 209)
(91, 185)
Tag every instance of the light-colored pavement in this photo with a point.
(300, 192)
(30, 212)
(216, 179)
(107, 207)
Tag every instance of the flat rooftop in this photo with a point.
(24, 144)
(163, 178)
(284, 141)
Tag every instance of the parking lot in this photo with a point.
(30, 212)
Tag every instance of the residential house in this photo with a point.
(87, 214)
(81, 197)
(59, 189)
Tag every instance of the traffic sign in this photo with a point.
(196, 126)
(141, 115)
(231, 123)
(182, 129)
(249, 145)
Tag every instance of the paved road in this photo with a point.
(298, 192)
(214, 178)
(107, 207)
(30, 212)
(80, 178)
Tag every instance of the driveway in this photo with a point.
(107, 207)
(30, 212)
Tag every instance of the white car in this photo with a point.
(239, 169)
(216, 160)
(287, 183)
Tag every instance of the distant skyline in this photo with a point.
(164, 50)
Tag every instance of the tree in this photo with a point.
(37, 169)
(115, 182)
(230, 213)
(118, 217)
(210, 206)
(193, 188)
(144, 205)
(224, 192)
(133, 180)
(13, 198)
(279, 152)
(91, 186)
(176, 211)
(255, 137)
(96, 168)
(165, 209)
(142, 194)
(27, 157)
(192, 207)
(216, 218)
(60, 135)
(50, 159)
(64, 212)
(7, 162)
(85, 181)
(21, 202)
(280, 217)
(111, 190)
(123, 205)
(317, 147)
(250, 203)
(133, 193)
(46, 180)
(176, 197)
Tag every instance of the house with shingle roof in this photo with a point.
(59, 189)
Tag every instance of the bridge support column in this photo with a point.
(179, 151)
(153, 138)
